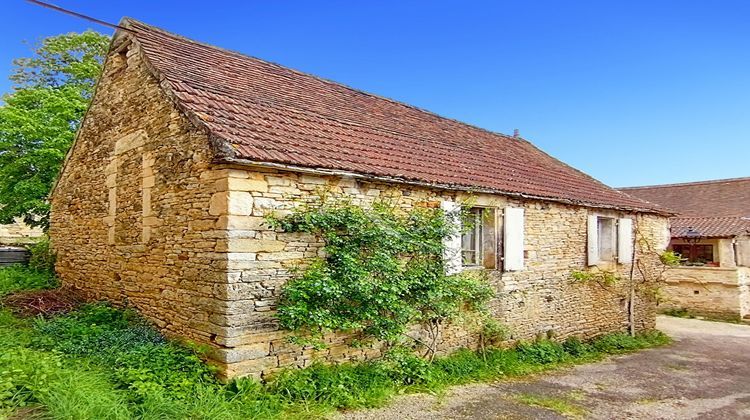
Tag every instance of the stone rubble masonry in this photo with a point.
(130, 217)
(142, 216)
(709, 291)
(539, 300)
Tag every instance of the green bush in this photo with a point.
(542, 352)
(15, 278)
(42, 258)
(383, 270)
(407, 368)
(576, 347)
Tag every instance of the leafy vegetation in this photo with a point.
(383, 271)
(38, 120)
(102, 362)
(42, 257)
(17, 277)
(604, 278)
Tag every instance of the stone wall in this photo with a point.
(541, 299)
(130, 217)
(708, 291)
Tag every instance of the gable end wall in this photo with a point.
(130, 217)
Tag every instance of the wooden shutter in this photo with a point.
(593, 240)
(452, 242)
(513, 238)
(625, 241)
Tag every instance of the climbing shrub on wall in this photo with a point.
(383, 271)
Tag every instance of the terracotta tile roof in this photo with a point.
(711, 227)
(716, 198)
(257, 111)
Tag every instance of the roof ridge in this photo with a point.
(126, 21)
(686, 184)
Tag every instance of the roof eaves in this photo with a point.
(449, 187)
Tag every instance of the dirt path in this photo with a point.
(704, 374)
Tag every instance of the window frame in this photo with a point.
(611, 245)
(613, 242)
(478, 238)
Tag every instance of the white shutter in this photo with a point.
(625, 241)
(593, 240)
(513, 238)
(452, 242)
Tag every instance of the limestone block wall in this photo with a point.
(709, 291)
(131, 220)
(541, 299)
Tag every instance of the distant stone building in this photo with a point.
(186, 147)
(712, 234)
(19, 233)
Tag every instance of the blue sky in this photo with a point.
(630, 92)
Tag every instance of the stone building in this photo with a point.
(19, 233)
(186, 147)
(712, 234)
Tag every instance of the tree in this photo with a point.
(38, 121)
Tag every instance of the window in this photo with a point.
(471, 240)
(695, 254)
(490, 236)
(609, 240)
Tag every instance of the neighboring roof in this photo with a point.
(717, 208)
(259, 112)
(710, 227)
(716, 198)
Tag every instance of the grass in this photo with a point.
(561, 406)
(687, 314)
(101, 362)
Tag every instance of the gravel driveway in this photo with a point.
(704, 374)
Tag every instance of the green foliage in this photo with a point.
(670, 258)
(42, 258)
(542, 352)
(622, 343)
(383, 271)
(494, 332)
(39, 119)
(73, 59)
(16, 277)
(602, 277)
(140, 358)
(576, 347)
(99, 362)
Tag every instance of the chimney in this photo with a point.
(516, 133)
